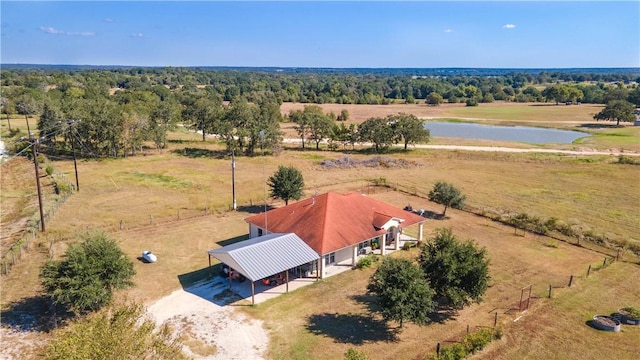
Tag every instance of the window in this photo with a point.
(259, 232)
(364, 244)
(330, 258)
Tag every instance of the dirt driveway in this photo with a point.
(199, 313)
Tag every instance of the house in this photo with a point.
(338, 227)
(310, 236)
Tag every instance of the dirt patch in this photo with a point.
(211, 328)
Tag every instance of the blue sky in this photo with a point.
(499, 34)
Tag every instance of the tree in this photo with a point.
(320, 128)
(617, 110)
(7, 108)
(120, 332)
(634, 96)
(203, 114)
(344, 115)
(434, 99)
(409, 128)
(163, 118)
(457, 271)
(89, 272)
(286, 184)
(310, 120)
(401, 291)
(446, 194)
(377, 131)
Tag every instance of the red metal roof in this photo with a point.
(332, 221)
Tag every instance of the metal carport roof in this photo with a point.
(263, 256)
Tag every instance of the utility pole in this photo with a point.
(73, 148)
(264, 180)
(36, 145)
(233, 178)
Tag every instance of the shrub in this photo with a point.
(633, 312)
(477, 340)
(365, 262)
(49, 170)
(406, 246)
(353, 354)
(453, 352)
(627, 160)
(472, 102)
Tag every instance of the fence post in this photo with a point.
(617, 254)
(178, 214)
(13, 257)
(549, 291)
(467, 328)
(570, 280)
(604, 262)
(589, 270)
(438, 350)
(121, 224)
(495, 320)
(6, 268)
(150, 219)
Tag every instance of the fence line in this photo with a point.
(459, 336)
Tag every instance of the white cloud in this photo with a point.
(50, 30)
(448, 30)
(108, 20)
(54, 31)
(137, 35)
(508, 26)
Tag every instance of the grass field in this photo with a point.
(176, 203)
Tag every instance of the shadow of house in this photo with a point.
(351, 328)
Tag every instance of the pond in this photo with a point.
(525, 134)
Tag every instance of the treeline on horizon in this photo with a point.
(121, 108)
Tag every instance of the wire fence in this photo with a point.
(506, 314)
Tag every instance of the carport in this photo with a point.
(264, 256)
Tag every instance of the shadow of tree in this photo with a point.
(34, 313)
(351, 328)
(201, 153)
(599, 126)
(441, 315)
(254, 209)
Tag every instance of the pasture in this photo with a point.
(176, 203)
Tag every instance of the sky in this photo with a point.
(335, 34)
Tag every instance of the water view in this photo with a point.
(525, 134)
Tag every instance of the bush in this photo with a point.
(477, 340)
(472, 102)
(365, 262)
(406, 246)
(453, 352)
(633, 312)
(353, 354)
(49, 170)
(627, 160)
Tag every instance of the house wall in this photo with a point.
(344, 254)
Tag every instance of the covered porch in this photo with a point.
(267, 262)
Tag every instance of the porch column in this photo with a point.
(420, 231)
(396, 235)
(354, 256)
(383, 245)
(253, 292)
(321, 267)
